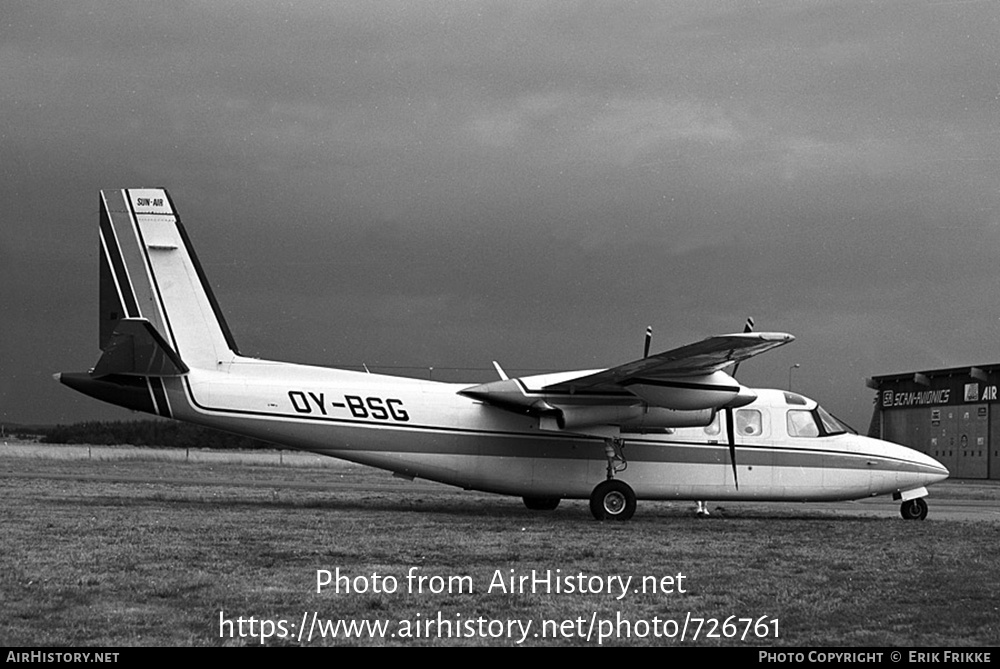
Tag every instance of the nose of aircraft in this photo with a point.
(935, 469)
(915, 468)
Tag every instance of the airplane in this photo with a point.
(674, 425)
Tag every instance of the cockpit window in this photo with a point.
(832, 425)
(801, 423)
(819, 422)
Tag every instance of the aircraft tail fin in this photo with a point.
(158, 315)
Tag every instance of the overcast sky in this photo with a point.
(447, 183)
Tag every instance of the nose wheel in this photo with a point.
(914, 509)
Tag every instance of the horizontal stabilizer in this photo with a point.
(136, 348)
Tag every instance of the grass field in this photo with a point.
(137, 549)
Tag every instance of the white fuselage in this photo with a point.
(426, 429)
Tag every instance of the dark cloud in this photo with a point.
(445, 183)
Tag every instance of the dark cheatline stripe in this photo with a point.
(160, 396)
(118, 264)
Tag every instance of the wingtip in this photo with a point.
(773, 336)
(763, 336)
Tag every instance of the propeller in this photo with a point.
(730, 421)
(645, 354)
(748, 327)
(731, 433)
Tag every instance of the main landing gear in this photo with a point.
(914, 509)
(613, 499)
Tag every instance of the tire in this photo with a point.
(541, 503)
(612, 500)
(913, 509)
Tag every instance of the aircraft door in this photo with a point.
(753, 429)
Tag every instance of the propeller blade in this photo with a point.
(746, 328)
(731, 433)
(645, 354)
(730, 421)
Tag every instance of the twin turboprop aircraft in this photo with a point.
(670, 426)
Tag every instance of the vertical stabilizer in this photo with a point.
(150, 271)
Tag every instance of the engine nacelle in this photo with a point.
(692, 393)
(628, 417)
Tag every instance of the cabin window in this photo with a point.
(801, 424)
(748, 422)
(794, 398)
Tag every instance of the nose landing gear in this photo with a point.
(914, 509)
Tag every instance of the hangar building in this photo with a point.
(952, 415)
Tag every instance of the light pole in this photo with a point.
(795, 366)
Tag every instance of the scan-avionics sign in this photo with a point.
(891, 398)
(957, 393)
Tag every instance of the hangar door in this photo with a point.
(994, 445)
(972, 446)
(943, 440)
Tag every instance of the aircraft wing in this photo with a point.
(698, 359)
(689, 377)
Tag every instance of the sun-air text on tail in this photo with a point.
(668, 426)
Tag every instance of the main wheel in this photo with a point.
(541, 503)
(914, 509)
(612, 500)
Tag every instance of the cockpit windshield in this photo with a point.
(816, 423)
(832, 424)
